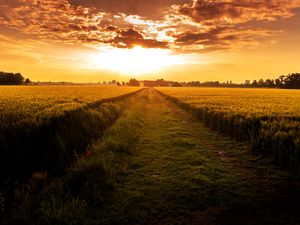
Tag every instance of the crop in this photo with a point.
(35, 104)
(44, 128)
(268, 118)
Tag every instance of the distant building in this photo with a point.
(148, 83)
(158, 83)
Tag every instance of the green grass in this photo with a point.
(87, 185)
(171, 175)
(174, 174)
(159, 165)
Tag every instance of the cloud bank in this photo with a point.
(180, 25)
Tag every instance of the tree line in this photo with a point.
(290, 81)
(12, 79)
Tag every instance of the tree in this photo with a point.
(27, 81)
(278, 83)
(176, 84)
(269, 83)
(161, 83)
(292, 81)
(261, 83)
(254, 83)
(133, 82)
(11, 78)
(247, 83)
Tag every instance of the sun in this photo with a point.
(135, 61)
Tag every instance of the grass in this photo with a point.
(86, 186)
(174, 176)
(159, 165)
(170, 176)
(261, 117)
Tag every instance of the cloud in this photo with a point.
(181, 25)
(190, 38)
(59, 21)
(55, 20)
(130, 38)
(228, 24)
(232, 12)
(221, 38)
(149, 9)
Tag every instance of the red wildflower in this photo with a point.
(88, 153)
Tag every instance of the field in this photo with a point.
(45, 127)
(268, 118)
(35, 104)
(81, 155)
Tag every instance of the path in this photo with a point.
(183, 173)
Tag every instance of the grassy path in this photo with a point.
(182, 173)
(158, 165)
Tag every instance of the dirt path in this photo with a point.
(183, 173)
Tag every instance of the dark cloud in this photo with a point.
(130, 33)
(192, 38)
(227, 24)
(183, 25)
(231, 11)
(111, 28)
(152, 9)
(56, 21)
(130, 38)
(215, 39)
(221, 38)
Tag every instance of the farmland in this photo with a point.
(35, 104)
(268, 118)
(148, 157)
(45, 127)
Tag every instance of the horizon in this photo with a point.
(90, 41)
(114, 81)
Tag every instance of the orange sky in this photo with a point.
(96, 40)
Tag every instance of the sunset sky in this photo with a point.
(96, 40)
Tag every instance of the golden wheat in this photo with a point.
(36, 103)
(268, 118)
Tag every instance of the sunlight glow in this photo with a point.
(136, 61)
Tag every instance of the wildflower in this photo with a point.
(88, 153)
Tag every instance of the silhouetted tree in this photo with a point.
(269, 83)
(292, 81)
(261, 83)
(27, 81)
(247, 83)
(133, 82)
(176, 84)
(254, 83)
(11, 78)
(162, 83)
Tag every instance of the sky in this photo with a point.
(98, 40)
